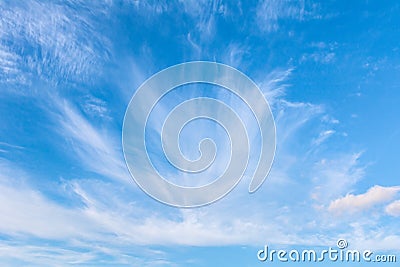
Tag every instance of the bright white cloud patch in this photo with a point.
(356, 203)
(393, 208)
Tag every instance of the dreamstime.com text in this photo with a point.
(341, 253)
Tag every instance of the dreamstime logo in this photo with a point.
(156, 87)
(328, 254)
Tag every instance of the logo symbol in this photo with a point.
(156, 87)
(342, 243)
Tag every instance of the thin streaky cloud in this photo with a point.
(98, 149)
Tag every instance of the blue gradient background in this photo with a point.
(329, 69)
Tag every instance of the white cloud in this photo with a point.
(324, 57)
(83, 232)
(51, 41)
(197, 49)
(234, 54)
(322, 137)
(97, 149)
(330, 120)
(291, 116)
(393, 208)
(6, 147)
(356, 203)
(111, 210)
(323, 53)
(335, 176)
(26, 211)
(271, 12)
(368, 233)
(95, 107)
(274, 85)
(150, 10)
(203, 13)
(7, 61)
(17, 253)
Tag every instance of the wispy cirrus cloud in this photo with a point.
(271, 13)
(204, 14)
(98, 149)
(50, 42)
(322, 137)
(25, 209)
(320, 52)
(333, 177)
(40, 253)
(40, 231)
(107, 217)
(6, 147)
(275, 84)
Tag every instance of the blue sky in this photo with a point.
(328, 69)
